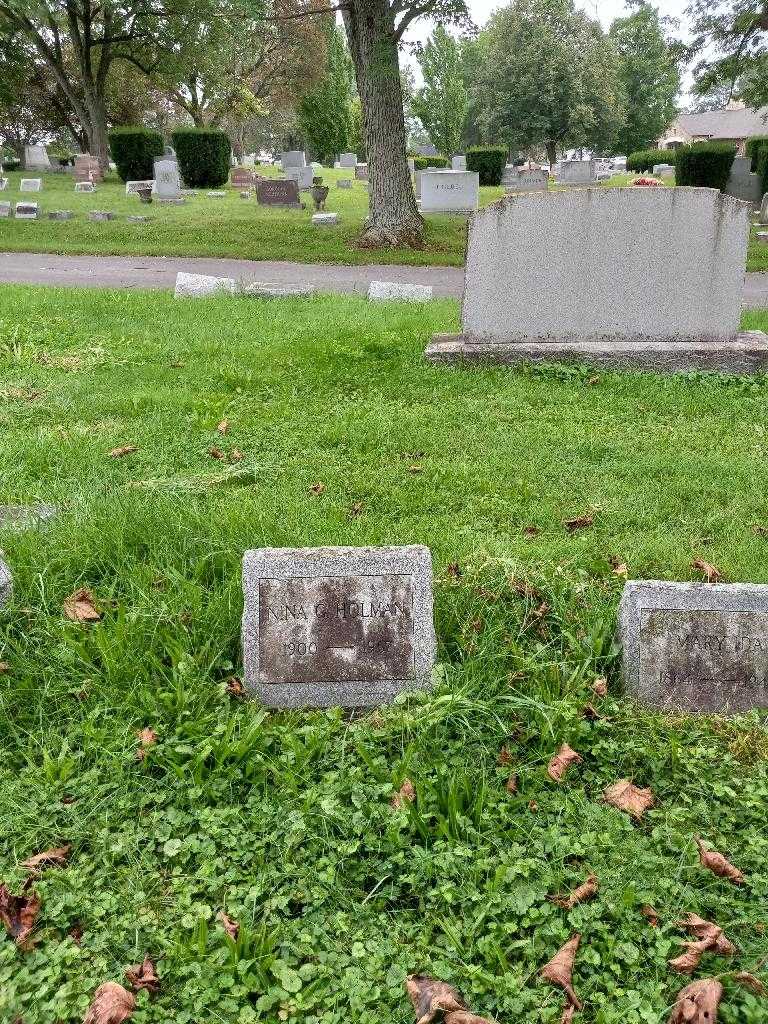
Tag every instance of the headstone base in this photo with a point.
(748, 353)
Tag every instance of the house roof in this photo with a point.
(726, 124)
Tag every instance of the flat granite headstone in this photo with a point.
(344, 183)
(22, 517)
(301, 175)
(337, 627)
(699, 647)
(263, 290)
(5, 209)
(60, 215)
(84, 186)
(31, 185)
(132, 187)
(589, 291)
(393, 291)
(449, 191)
(577, 172)
(278, 192)
(26, 211)
(325, 219)
(525, 179)
(198, 286)
(6, 584)
(99, 215)
(361, 172)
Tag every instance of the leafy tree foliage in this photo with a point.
(547, 74)
(325, 112)
(441, 104)
(731, 39)
(649, 75)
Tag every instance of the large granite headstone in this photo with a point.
(36, 158)
(449, 191)
(742, 183)
(293, 158)
(348, 160)
(577, 172)
(695, 646)
(525, 179)
(301, 175)
(167, 178)
(330, 627)
(278, 192)
(603, 281)
(458, 163)
(242, 177)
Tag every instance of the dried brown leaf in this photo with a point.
(112, 1004)
(453, 570)
(619, 568)
(231, 927)
(511, 785)
(718, 864)
(432, 999)
(81, 607)
(223, 427)
(4, 667)
(751, 982)
(18, 913)
(560, 762)
(126, 449)
(143, 975)
(649, 913)
(579, 522)
(357, 509)
(317, 488)
(559, 970)
(531, 531)
(709, 933)
(688, 961)
(710, 572)
(626, 796)
(600, 686)
(235, 687)
(236, 455)
(505, 756)
(216, 453)
(55, 857)
(405, 795)
(590, 712)
(415, 469)
(697, 1003)
(583, 892)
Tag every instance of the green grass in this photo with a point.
(283, 820)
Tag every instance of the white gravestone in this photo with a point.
(325, 219)
(393, 291)
(459, 163)
(348, 160)
(197, 286)
(344, 183)
(36, 158)
(84, 186)
(524, 179)
(31, 185)
(577, 172)
(3, 183)
(132, 187)
(449, 191)
(167, 179)
(5, 209)
(590, 290)
(293, 158)
(301, 175)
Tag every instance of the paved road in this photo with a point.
(160, 272)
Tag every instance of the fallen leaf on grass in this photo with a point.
(531, 531)
(751, 982)
(76, 934)
(559, 970)
(217, 453)
(357, 509)
(405, 795)
(4, 667)
(578, 523)
(317, 488)
(650, 915)
(147, 738)
(505, 756)
(600, 686)
(231, 927)
(235, 687)
(709, 932)
(143, 975)
(80, 607)
(223, 427)
(711, 573)
(112, 1004)
(511, 785)
(619, 568)
(583, 892)
(626, 796)
(126, 449)
(415, 469)
(590, 712)
(18, 913)
(560, 762)
(688, 961)
(697, 1003)
(236, 455)
(432, 999)
(453, 570)
(55, 857)
(569, 1012)
(718, 864)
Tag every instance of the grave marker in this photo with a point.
(330, 627)
(3, 182)
(525, 179)
(344, 183)
(6, 584)
(197, 286)
(293, 158)
(301, 175)
(101, 215)
(587, 291)
(31, 185)
(278, 192)
(743, 183)
(5, 209)
(386, 291)
(700, 647)
(361, 172)
(325, 219)
(26, 211)
(167, 179)
(242, 177)
(36, 158)
(458, 163)
(60, 215)
(348, 160)
(84, 186)
(577, 172)
(134, 187)
(449, 191)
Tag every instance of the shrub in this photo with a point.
(761, 156)
(421, 163)
(646, 159)
(204, 156)
(706, 164)
(753, 147)
(489, 161)
(134, 150)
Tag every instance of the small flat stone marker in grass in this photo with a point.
(695, 647)
(23, 517)
(31, 185)
(326, 220)
(101, 215)
(392, 291)
(216, 195)
(60, 215)
(261, 290)
(84, 186)
(26, 211)
(5, 209)
(344, 183)
(196, 286)
(337, 627)
(6, 583)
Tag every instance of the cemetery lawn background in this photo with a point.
(284, 820)
(233, 227)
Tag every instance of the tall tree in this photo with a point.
(547, 75)
(731, 41)
(441, 104)
(649, 74)
(325, 112)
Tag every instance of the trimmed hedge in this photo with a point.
(204, 156)
(489, 162)
(706, 164)
(760, 158)
(134, 150)
(646, 159)
(752, 148)
(421, 163)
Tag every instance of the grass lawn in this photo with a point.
(284, 820)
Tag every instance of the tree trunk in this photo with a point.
(551, 154)
(96, 130)
(393, 217)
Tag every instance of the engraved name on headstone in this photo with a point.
(325, 627)
(695, 646)
(277, 192)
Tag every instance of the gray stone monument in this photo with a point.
(330, 627)
(586, 291)
(458, 163)
(167, 179)
(31, 185)
(5, 209)
(84, 186)
(742, 183)
(6, 584)
(198, 286)
(26, 211)
(293, 158)
(60, 215)
(695, 646)
(449, 191)
(134, 187)
(348, 160)
(525, 179)
(24, 517)
(36, 158)
(301, 175)
(577, 172)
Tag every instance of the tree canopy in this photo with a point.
(442, 102)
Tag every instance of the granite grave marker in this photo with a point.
(278, 192)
